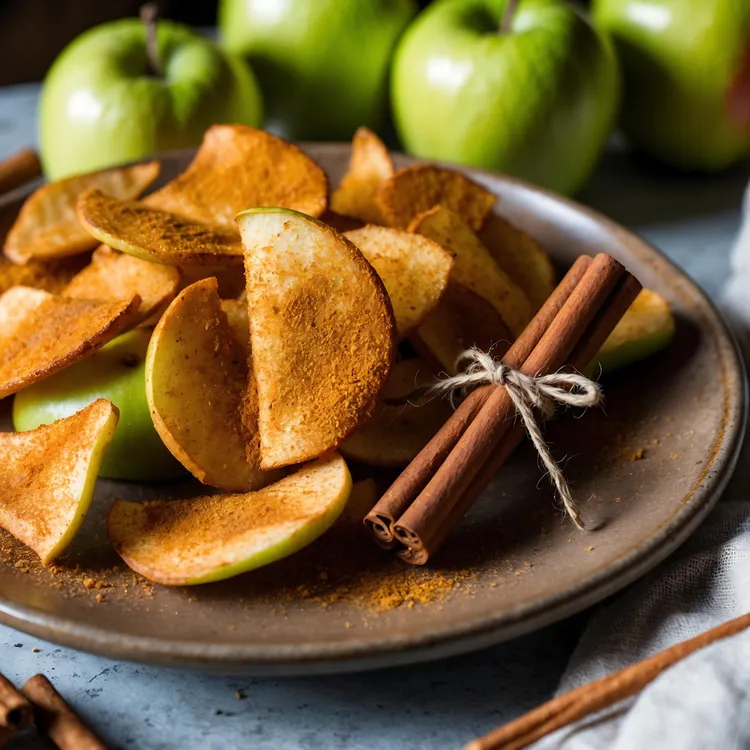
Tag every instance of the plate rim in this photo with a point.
(437, 642)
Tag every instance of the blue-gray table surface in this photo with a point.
(439, 705)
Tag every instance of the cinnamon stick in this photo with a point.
(597, 333)
(421, 526)
(57, 719)
(391, 506)
(607, 691)
(15, 710)
(19, 168)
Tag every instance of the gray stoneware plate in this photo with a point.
(652, 465)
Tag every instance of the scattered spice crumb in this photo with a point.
(589, 549)
(100, 597)
(35, 650)
(674, 456)
(618, 499)
(239, 695)
(89, 583)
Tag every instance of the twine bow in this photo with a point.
(542, 392)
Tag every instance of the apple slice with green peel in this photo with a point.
(186, 542)
(42, 333)
(47, 477)
(322, 333)
(154, 235)
(47, 226)
(414, 270)
(521, 257)
(473, 265)
(646, 328)
(112, 275)
(196, 382)
(116, 372)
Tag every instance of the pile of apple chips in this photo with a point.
(289, 331)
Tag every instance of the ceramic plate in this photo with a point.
(648, 468)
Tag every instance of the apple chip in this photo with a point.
(370, 166)
(47, 477)
(112, 275)
(521, 257)
(239, 167)
(186, 542)
(50, 275)
(399, 429)
(646, 328)
(156, 236)
(413, 269)
(47, 226)
(462, 319)
(42, 333)
(196, 377)
(473, 266)
(418, 188)
(322, 333)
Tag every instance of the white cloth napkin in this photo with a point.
(703, 702)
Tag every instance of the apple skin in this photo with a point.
(117, 373)
(322, 64)
(680, 60)
(538, 103)
(99, 105)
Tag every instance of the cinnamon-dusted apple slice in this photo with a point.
(473, 266)
(322, 333)
(196, 380)
(414, 270)
(42, 333)
(418, 188)
(47, 226)
(370, 166)
(154, 235)
(400, 428)
(49, 275)
(239, 167)
(461, 320)
(186, 542)
(521, 257)
(47, 477)
(112, 275)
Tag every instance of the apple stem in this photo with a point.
(508, 14)
(149, 12)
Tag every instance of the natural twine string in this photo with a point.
(542, 392)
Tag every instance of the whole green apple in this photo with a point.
(322, 64)
(686, 70)
(532, 92)
(104, 101)
(117, 373)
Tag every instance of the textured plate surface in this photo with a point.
(651, 467)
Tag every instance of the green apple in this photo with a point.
(686, 69)
(104, 102)
(185, 542)
(117, 373)
(322, 64)
(532, 92)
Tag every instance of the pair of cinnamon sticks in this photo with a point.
(603, 693)
(435, 491)
(38, 702)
